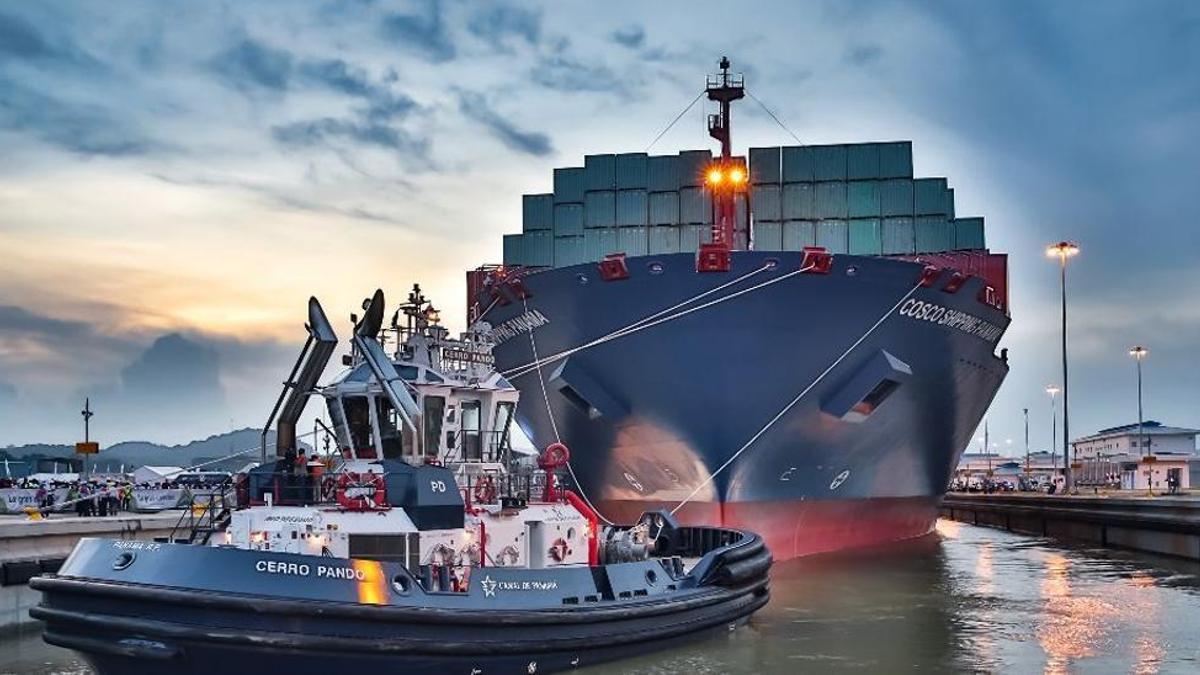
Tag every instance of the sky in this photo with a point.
(177, 178)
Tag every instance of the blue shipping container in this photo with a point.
(632, 209)
(600, 209)
(765, 165)
(662, 172)
(568, 220)
(799, 233)
(695, 206)
(768, 236)
(600, 172)
(537, 212)
(765, 202)
(568, 185)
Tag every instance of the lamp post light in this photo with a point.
(1053, 391)
(1063, 250)
(1138, 353)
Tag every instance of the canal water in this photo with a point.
(966, 599)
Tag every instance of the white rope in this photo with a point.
(654, 319)
(796, 400)
(554, 425)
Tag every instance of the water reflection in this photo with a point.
(966, 599)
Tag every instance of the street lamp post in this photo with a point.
(1138, 353)
(1026, 412)
(1063, 250)
(1053, 391)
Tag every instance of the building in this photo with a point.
(1154, 457)
(1156, 439)
(156, 474)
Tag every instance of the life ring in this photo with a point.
(559, 550)
(361, 492)
(485, 490)
(555, 456)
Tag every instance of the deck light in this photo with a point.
(1063, 249)
(715, 176)
(737, 176)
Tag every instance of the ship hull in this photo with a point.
(825, 411)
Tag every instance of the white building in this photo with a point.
(155, 474)
(1156, 440)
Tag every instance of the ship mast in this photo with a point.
(725, 177)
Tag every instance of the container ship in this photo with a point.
(801, 340)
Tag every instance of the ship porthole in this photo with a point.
(852, 271)
(655, 267)
(124, 560)
(400, 584)
(582, 279)
(651, 577)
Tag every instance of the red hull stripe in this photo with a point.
(799, 528)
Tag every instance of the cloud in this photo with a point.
(864, 55)
(425, 34)
(562, 72)
(250, 63)
(8, 393)
(496, 24)
(474, 106)
(316, 132)
(633, 37)
(79, 127)
(20, 39)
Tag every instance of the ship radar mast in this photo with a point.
(727, 176)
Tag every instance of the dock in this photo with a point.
(32, 547)
(1166, 525)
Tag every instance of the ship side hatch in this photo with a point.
(865, 390)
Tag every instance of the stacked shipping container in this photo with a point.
(860, 199)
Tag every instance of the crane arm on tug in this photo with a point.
(381, 366)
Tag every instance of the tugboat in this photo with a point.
(426, 544)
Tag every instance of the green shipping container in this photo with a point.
(768, 236)
(833, 236)
(599, 242)
(765, 202)
(799, 201)
(862, 198)
(539, 248)
(830, 162)
(632, 240)
(663, 173)
(799, 164)
(663, 239)
(569, 251)
(831, 200)
(600, 172)
(514, 249)
(568, 185)
(568, 220)
(862, 161)
(693, 165)
(765, 166)
(632, 210)
(929, 197)
(969, 234)
(933, 234)
(600, 209)
(695, 206)
(631, 171)
(664, 208)
(898, 236)
(799, 233)
(537, 212)
(895, 160)
(866, 237)
(691, 236)
(896, 197)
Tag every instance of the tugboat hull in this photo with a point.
(188, 609)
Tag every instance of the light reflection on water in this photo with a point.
(964, 599)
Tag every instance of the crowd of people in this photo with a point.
(84, 497)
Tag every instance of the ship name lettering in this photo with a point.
(517, 325)
(951, 318)
(278, 567)
(350, 573)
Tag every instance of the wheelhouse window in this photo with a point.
(472, 446)
(391, 429)
(500, 430)
(358, 426)
(433, 414)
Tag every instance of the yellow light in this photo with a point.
(1063, 249)
(737, 176)
(1052, 390)
(1138, 352)
(715, 176)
